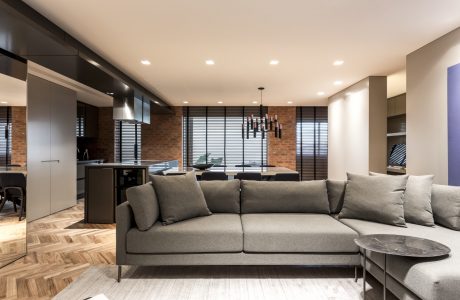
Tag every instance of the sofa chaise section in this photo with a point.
(437, 278)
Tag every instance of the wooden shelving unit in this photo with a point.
(396, 128)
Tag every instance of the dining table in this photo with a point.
(232, 171)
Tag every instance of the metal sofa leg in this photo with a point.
(119, 273)
(356, 273)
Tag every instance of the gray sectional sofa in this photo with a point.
(270, 223)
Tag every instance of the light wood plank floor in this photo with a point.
(60, 247)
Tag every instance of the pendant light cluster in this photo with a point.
(262, 124)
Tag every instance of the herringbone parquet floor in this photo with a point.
(60, 247)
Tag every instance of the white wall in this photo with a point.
(426, 105)
(357, 129)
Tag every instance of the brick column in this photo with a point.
(282, 152)
(18, 135)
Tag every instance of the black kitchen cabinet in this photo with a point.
(87, 120)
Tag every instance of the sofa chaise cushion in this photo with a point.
(446, 205)
(375, 198)
(222, 196)
(284, 197)
(296, 233)
(427, 278)
(210, 234)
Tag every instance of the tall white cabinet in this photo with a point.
(51, 147)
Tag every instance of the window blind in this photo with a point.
(5, 136)
(213, 135)
(127, 141)
(311, 142)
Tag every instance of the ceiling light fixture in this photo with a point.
(109, 93)
(263, 123)
(320, 93)
(145, 62)
(274, 62)
(338, 63)
(4, 102)
(220, 102)
(156, 102)
(185, 102)
(338, 82)
(254, 102)
(210, 62)
(289, 102)
(93, 63)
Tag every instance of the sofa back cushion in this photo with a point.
(375, 198)
(336, 194)
(222, 196)
(445, 201)
(284, 197)
(144, 203)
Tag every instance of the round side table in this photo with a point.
(398, 245)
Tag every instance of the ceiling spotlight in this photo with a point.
(4, 102)
(289, 102)
(210, 62)
(93, 63)
(156, 102)
(220, 102)
(274, 62)
(254, 102)
(185, 102)
(338, 63)
(320, 93)
(338, 82)
(109, 93)
(145, 62)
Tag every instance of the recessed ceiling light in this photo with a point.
(109, 93)
(4, 102)
(338, 82)
(185, 102)
(220, 102)
(254, 102)
(274, 62)
(210, 62)
(156, 102)
(320, 93)
(338, 62)
(93, 63)
(145, 62)
(289, 102)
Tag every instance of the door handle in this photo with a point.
(51, 160)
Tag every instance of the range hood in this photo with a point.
(131, 108)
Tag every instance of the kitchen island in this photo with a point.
(106, 185)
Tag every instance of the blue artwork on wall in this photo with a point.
(453, 121)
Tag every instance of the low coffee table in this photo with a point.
(399, 245)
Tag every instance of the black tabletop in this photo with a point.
(402, 245)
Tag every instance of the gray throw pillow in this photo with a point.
(144, 204)
(284, 197)
(446, 205)
(417, 199)
(336, 194)
(222, 196)
(179, 197)
(375, 198)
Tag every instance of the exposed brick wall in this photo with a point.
(105, 140)
(18, 135)
(162, 138)
(282, 152)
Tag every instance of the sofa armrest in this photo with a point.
(124, 222)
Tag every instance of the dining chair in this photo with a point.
(287, 177)
(249, 176)
(14, 189)
(243, 166)
(208, 175)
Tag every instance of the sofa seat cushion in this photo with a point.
(436, 278)
(296, 233)
(209, 234)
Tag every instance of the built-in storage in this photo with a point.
(81, 175)
(396, 135)
(87, 120)
(51, 147)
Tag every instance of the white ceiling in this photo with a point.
(13, 91)
(306, 36)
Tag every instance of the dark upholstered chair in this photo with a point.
(14, 189)
(287, 177)
(249, 176)
(208, 175)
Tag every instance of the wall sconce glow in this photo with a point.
(220, 102)
(274, 62)
(338, 63)
(145, 62)
(185, 102)
(210, 62)
(320, 93)
(338, 82)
